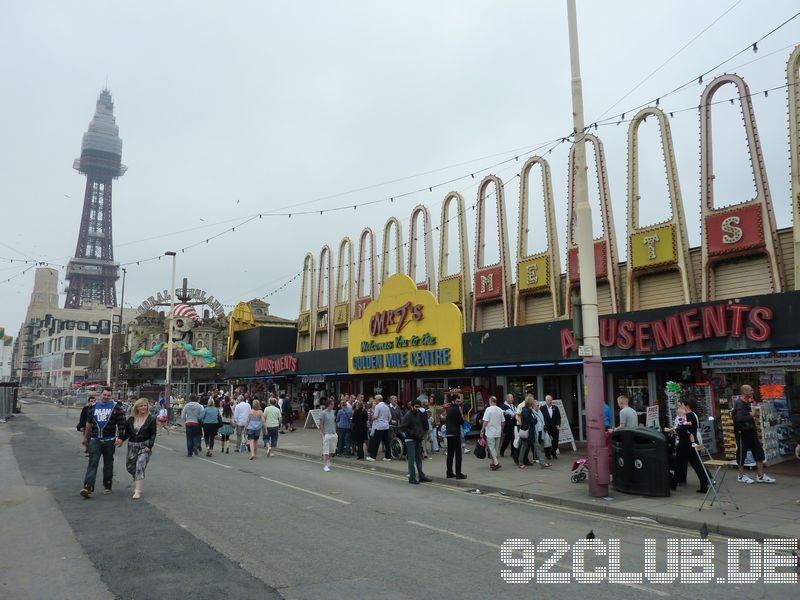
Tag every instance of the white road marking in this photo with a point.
(213, 462)
(165, 447)
(299, 489)
(497, 547)
(454, 534)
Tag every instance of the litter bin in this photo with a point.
(640, 462)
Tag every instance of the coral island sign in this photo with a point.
(405, 330)
(186, 295)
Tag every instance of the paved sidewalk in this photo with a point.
(765, 511)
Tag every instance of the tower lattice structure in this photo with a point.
(92, 272)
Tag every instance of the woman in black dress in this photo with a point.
(360, 430)
(685, 452)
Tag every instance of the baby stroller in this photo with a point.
(580, 470)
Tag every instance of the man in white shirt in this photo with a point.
(240, 414)
(492, 429)
(380, 430)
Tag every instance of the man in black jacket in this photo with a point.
(413, 431)
(744, 428)
(103, 433)
(454, 424)
(552, 425)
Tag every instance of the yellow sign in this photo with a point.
(533, 274)
(340, 314)
(450, 289)
(653, 247)
(405, 330)
(304, 322)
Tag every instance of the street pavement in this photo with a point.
(280, 527)
(764, 510)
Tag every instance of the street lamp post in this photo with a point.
(168, 385)
(110, 344)
(592, 365)
(121, 312)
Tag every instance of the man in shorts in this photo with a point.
(327, 428)
(744, 428)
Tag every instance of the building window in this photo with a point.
(81, 360)
(68, 342)
(83, 343)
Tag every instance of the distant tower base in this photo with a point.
(91, 280)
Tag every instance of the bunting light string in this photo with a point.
(697, 79)
(349, 206)
(299, 274)
(696, 107)
(20, 274)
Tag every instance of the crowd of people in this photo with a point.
(351, 423)
(352, 426)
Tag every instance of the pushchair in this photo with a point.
(580, 470)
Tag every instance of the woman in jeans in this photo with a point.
(140, 431)
(226, 430)
(255, 423)
(210, 420)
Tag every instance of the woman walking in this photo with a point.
(360, 430)
(226, 430)
(140, 431)
(211, 421)
(255, 424)
(686, 453)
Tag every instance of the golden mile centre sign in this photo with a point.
(405, 330)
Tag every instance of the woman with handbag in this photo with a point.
(226, 430)
(255, 424)
(140, 431)
(211, 420)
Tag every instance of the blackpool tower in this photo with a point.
(92, 272)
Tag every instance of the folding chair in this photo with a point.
(716, 487)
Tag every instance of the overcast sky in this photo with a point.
(231, 109)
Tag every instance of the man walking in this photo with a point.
(454, 425)
(744, 429)
(411, 428)
(509, 414)
(492, 429)
(343, 424)
(192, 415)
(552, 425)
(380, 430)
(327, 428)
(103, 433)
(241, 413)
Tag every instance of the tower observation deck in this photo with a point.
(92, 272)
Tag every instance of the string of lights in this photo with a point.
(355, 206)
(697, 79)
(394, 249)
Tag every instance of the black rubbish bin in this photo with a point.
(640, 462)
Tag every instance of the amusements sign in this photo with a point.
(405, 330)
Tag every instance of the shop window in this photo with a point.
(635, 387)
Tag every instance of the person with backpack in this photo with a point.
(744, 429)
